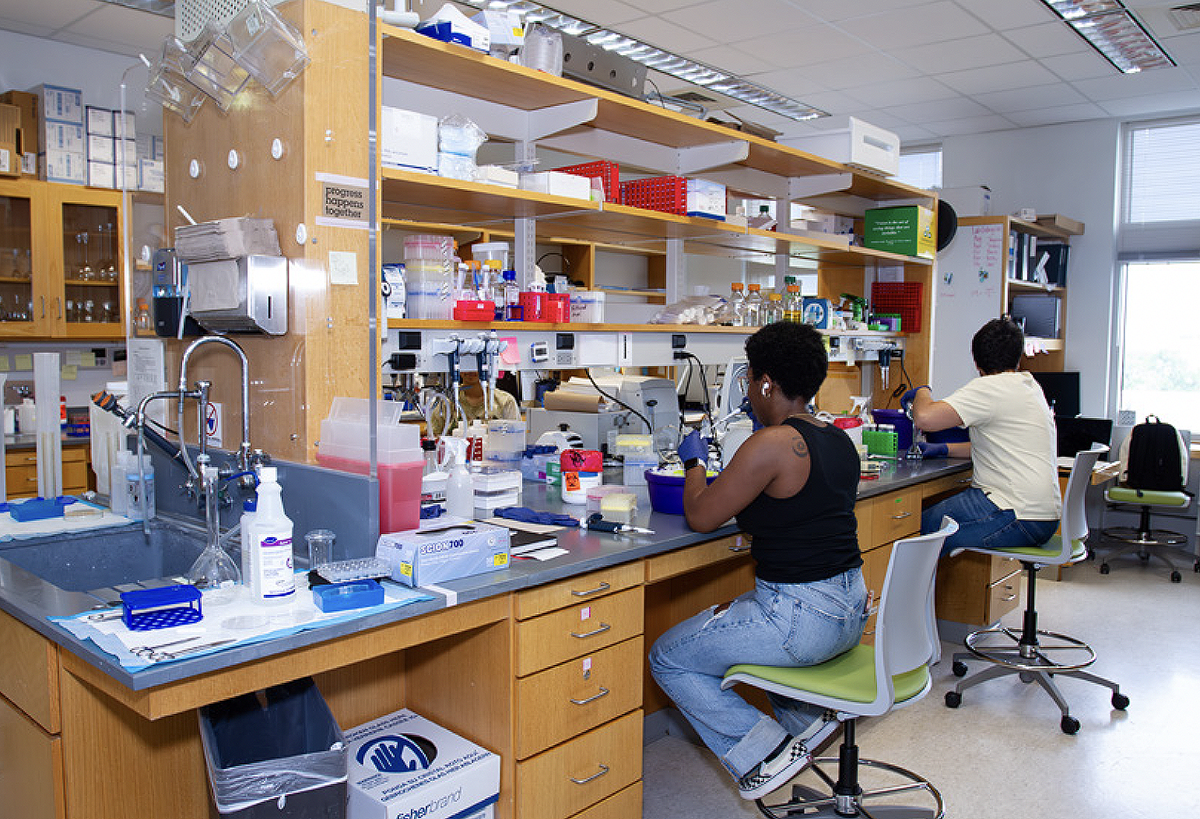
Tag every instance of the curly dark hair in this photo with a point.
(998, 345)
(792, 354)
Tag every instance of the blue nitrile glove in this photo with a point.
(527, 515)
(749, 410)
(929, 450)
(693, 446)
(910, 396)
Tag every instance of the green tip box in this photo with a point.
(906, 229)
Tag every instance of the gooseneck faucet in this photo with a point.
(245, 459)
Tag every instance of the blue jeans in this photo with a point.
(785, 624)
(983, 523)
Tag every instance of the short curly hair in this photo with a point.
(997, 346)
(792, 354)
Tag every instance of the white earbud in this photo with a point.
(765, 391)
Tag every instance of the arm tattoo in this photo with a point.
(800, 448)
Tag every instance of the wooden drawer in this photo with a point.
(874, 569)
(574, 590)
(622, 805)
(566, 700)
(944, 486)
(660, 567)
(1003, 596)
(864, 517)
(31, 767)
(1002, 567)
(29, 672)
(22, 457)
(573, 632)
(578, 774)
(22, 479)
(895, 515)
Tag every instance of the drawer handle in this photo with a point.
(603, 692)
(602, 587)
(31, 480)
(1008, 598)
(31, 459)
(738, 549)
(603, 628)
(603, 770)
(964, 480)
(902, 516)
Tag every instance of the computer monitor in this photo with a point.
(1075, 434)
(1062, 392)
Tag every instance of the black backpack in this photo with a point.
(1155, 461)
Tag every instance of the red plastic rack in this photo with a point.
(609, 173)
(667, 194)
(904, 298)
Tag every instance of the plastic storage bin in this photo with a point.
(285, 759)
(211, 66)
(666, 490)
(268, 46)
(343, 446)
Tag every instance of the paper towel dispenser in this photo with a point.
(247, 294)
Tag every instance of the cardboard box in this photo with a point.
(408, 140)
(28, 104)
(130, 146)
(495, 175)
(63, 166)
(98, 121)
(445, 552)
(10, 124)
(1063, 223)
(151, 176)
(859, 144)
(556, 183)
(705, 198)
(131, 176)
(10, 160)
(402, 766)
(102, 175)
(58, 103)
(905, 229)
(124, 127)
(63, 136)
(101, 149)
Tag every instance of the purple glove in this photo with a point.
(746, 408)
(910, 396)
(693, 446)
(929, 450)
(527, 515)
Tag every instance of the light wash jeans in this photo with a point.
(983, 523)
(788, 624)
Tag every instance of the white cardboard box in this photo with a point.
(100, 148)
(860, 144)
(98, 121)
(557, 183)
(64, 166)
(975, 200)
(151, 176)
(408, 140)
(402, 766)
(63, 104)
(452, 548)
(63, 136)
(102, 175)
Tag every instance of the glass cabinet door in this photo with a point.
(91, 265)
(17, 314)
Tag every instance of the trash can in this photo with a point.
(277, 753)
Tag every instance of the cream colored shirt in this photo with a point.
(503, 406)
(1013, 443)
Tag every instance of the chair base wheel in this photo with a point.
(959, 668)
(1025, 677)
(1069, 725)
(1104, 569)
(1176, 577)
(1196, 567)
(953, 699)
(1120, 702)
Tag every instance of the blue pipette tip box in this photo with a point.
(35, 509)
(357, 594)
(146, 609)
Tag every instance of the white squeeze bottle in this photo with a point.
(460, 490)
(249, 564)
(272, 577)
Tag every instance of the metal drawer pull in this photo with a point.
(602, 587)
(603, 692)
(603, 628)
(1008, 598)
(603, 770)
(902, 516)
(736, 549)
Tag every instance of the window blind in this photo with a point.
(1160, 191)
(921, 168)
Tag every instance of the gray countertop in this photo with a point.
(28, 440)
(32, 600)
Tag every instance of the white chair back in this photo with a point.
(904, 631)
(1074, 518)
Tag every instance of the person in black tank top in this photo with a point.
(792, 487)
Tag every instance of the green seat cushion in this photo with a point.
(849, 676)
(1050, 551)
(1123, 494)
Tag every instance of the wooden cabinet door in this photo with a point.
(23, 260)
(87, 280)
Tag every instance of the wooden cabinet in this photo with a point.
(977, 589)
(20, 471)
(882, 520)
(60, 261)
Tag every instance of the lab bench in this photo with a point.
(20, 465)
(514, 660)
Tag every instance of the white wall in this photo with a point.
(1070, 169)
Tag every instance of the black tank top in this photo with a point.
(813, 534)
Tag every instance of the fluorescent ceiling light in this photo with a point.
(658, 59)
(1113, 31)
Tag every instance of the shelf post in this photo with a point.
(524, 228)
(675, 270)
(783, 223)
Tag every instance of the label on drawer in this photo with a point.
(585, 613)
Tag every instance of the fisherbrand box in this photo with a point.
(446, 549)
(403, 766)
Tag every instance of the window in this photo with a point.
(1160, 191)
(921, 167)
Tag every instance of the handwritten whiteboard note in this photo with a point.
(987, 260)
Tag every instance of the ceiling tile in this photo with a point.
(1081, 66)
(1005, 15)
(1121, 86)
(997, 78)
(728, 58)
(804, 46)
(915, 135)
(1047, 40)
(139, 30)
(1059, 113)
(601, 12)
(1023, 99)
(902, 92)
(957, 55)
(749, 19)
(1184, 49)
(101, 44)
(788, 81)
(22, 27)
(658, 6)
(53, 15)
(914, 26)
(665, 35)
(970, 125)
(834, 102)
(864, 69)
(834, 10)
(939, 110)
(1153, 104)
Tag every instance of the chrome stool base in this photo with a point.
(811, 803)
(1021, 657)
(1145, 543)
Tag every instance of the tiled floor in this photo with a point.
(1001, 754)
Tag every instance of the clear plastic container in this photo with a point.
(169, 87)
(210, 66)
(485, 251)
(267, 46)
(635, 471)
(596, 494)
(505, 439)
(427, 246)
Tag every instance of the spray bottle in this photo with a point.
(460, 490)
(272, 577)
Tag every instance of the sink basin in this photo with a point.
(104, 559)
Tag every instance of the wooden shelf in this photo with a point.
(422, 197)
(88, 283)
(538, 327)
(1034, 287)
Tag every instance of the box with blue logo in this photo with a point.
(444, 549)
(403, 766)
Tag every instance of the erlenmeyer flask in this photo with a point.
(214, 572)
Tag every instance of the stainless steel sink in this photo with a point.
(101, 560)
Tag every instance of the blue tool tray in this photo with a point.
(38, 508)
(357, 594)
(147, 609)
